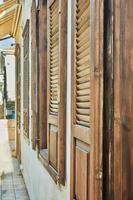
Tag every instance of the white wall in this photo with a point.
(40, 184)
(10, 71)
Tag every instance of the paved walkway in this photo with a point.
(12, 185)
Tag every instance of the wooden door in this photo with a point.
(86, 168)
(18, 102)
(56, 91)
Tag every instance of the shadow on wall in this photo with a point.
(6, 165)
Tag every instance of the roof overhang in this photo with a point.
(9, 18)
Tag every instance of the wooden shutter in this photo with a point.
(42, 67)
(26, 79)
(83, 101)
(34, 72)
(18, 100)
(57, 86)
(122, 134)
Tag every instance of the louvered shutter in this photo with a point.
(26, 79)
(18, 101)
(82, 62)
(56, 86)
(82, 168)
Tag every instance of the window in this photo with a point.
(26, 78)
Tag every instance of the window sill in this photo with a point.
(43, 157)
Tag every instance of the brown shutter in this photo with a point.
(18, 100)
(34, 72)
(57, 85)
(42, 68)
(26, 78)
(82, 168)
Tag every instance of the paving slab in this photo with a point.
(12, 186)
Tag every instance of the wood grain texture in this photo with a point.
(87, 47)
(56, 85)
(34, 72)
(42, 62)
(123, 97)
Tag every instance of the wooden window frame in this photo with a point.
(59, 175)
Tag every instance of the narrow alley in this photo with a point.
(12, 186)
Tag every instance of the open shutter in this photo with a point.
(83, 101)
(34, 72)
(56, 85)
(26, 79)
(18, 100)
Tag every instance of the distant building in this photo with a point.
(7, 82)
(2, 61)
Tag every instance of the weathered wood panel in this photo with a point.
(56, 87)
(118, 151)
(86, 150)
(34, 72)
(42, 68)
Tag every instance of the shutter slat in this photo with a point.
(82, 63)
(84, 35)
(81, 7)
(83, 72)
(83, 118)
(83, 79)
(54, 57)
(82, 46)
(83, 111)
(83, 86)
(83, 105)
(83, 53)
(82, 67)
(83, 92)
(54, 81)
(82, 123)
(54, 73)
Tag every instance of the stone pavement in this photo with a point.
(12, 185)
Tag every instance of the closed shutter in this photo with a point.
(82, 169)
(57, 86)
(26, 79)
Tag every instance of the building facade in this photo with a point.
(73, 97)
